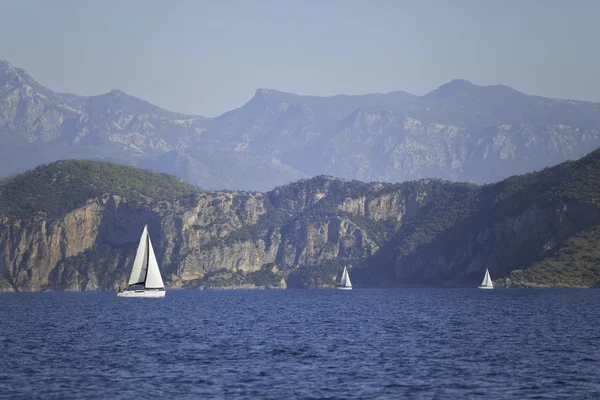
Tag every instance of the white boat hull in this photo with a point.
(485, 287)
(148, 294)
(344, 287)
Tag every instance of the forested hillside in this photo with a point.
(74, 225)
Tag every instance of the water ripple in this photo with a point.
(417, 344)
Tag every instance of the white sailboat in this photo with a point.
(487, 281)
(345, 283)
(145, 279)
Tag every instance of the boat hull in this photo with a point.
(485, 287)
(148, 294)
(344, 288)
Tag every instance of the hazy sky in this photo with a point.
(206, 57)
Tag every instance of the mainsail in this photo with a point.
(140, 264)
(487, 280)
(153, 278)
(145, 267)
(345, 279)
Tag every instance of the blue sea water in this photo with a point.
(305, 344)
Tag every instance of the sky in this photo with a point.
(208, 57)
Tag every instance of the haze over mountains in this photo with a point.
(458, 131)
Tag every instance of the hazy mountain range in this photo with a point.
(458, 131)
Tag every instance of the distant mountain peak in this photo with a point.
(262, 97)
(263, 93)
(7, 71)
(266, 92)
(16, 76)
(451, 89)
(459, 83)
(5, 65)
(119, 99)
(462, 87)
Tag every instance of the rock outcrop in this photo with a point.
(536, 230)
(193, 237)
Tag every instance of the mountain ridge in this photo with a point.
(6, 66)
(459, 131)
(74, 225)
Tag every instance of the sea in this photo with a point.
(302, 344)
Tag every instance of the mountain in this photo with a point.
(69, 184)
(459, 131)
(74, 225)
(38, 126)
(535, 230)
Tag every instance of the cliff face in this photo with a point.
(225, 233)
(504, 245)
(540, 229)
(32, 250)
(92, 247)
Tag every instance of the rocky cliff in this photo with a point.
(206, 239)
(537, 230)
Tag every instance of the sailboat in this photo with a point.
(345, 283)
(487, 281)
(145, 279)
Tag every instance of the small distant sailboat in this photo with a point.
(487, 281)
(145, 279)
(345, 283)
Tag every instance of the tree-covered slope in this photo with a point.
(62, 186)
(576, 263)
(504, 226)
(538, 229)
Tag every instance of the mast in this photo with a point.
(147, 254)
(153, 277)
